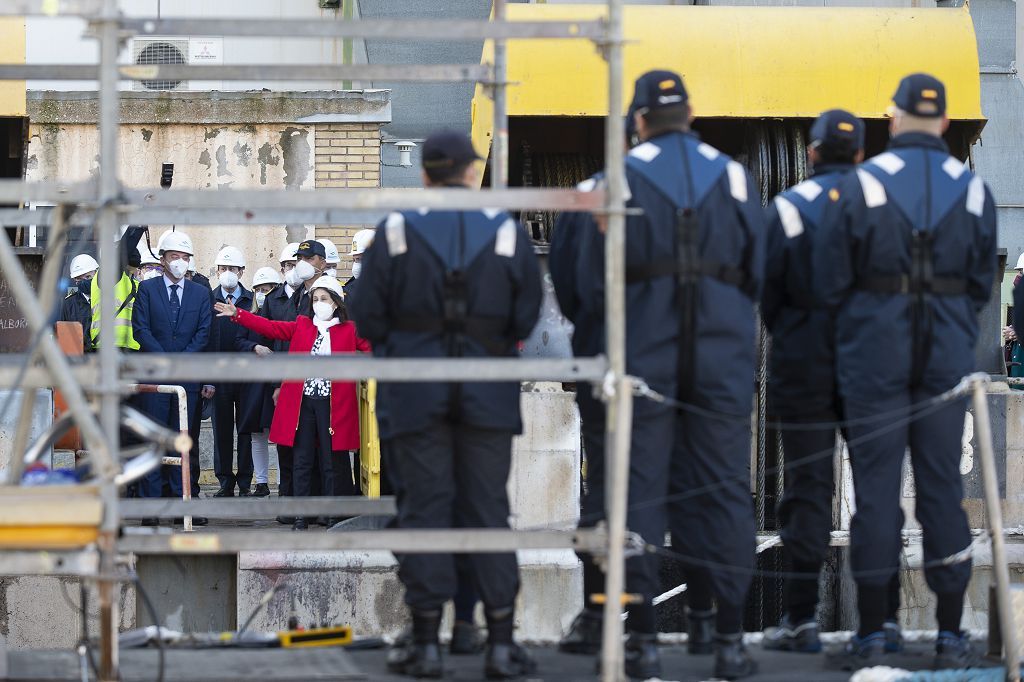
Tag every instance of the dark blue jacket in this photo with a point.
(563, 263)
(884, 338)
(401, 305)
(256, 401)
(667, 175)
(224, 333)
(802, 369)
(151, 320)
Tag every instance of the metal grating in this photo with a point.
(146, 52)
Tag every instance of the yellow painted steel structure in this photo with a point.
(369, 439)
(746, 62)
(12, 51)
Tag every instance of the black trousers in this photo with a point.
(460, 474)
(226, 410)
(877, 462)
(650, 454)
(285, 466)
(715, 527)
(805, 512)
(346, 476)
(312, 449)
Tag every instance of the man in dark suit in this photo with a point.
(227, 405)
(172, 315)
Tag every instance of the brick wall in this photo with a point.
(347, 155)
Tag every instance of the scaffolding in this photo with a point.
(108, 204)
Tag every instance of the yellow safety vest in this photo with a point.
(124, 291)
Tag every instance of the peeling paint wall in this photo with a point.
(211, 157)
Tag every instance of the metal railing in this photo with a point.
(108, 204)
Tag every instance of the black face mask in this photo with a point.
(84, 284)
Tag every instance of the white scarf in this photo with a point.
(324, 326)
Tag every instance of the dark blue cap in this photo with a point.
(838, 132)
(311, 247)
(920, 94)
(447, 149)
(658, 89)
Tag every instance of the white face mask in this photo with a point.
(331, 272)
(357, 268)
(303, 270)
(150, 274)
(323, 310)
(292, 279)
(178, 268)
(260, 298)
(228, 280)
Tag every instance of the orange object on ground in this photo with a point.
(69, 338)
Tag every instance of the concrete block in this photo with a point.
(44, 612)
(42, 418)
(189, 593)
(360, 589)
(550, 594)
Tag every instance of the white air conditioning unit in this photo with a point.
(176, 50)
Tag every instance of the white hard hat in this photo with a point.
(332, 251)
(1020, 262)
(192, 265)
(361, 241)
(288, 254)
(81, 264)
(331, 284)
(146, 256)
(266, 276)
(172, 240)
(230, 255)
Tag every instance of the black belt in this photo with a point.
(938, 285)
(489, 332)
(727, 274)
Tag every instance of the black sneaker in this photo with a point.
(732, 660)
(700, 627)
(300, 524)
(286, 520)
(893, 637)
(150, 521)
(954, 651)
(642, 658)
(225, 492)
(261, 490)
(860, 652)
(584, 636)
(507, 661)
(416, 660)
(801, 637)
(244, 492)
(465, 639)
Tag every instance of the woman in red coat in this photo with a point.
(315, 416)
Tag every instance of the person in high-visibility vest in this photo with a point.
(124, 293)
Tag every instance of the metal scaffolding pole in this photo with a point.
(499, 142)
(619, 420)
(109, 274)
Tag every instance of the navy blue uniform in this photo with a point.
(906, 258)
(450, 284)
(227, 402)
(801, 384)
(76, 308)
(257, 400)
(694, 262)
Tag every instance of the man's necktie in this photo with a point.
(175, 304)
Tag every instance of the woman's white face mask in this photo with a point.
(323, 310)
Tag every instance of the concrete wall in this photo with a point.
(216, 141)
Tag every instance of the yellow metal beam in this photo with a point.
(746, 62)
(12, 51)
